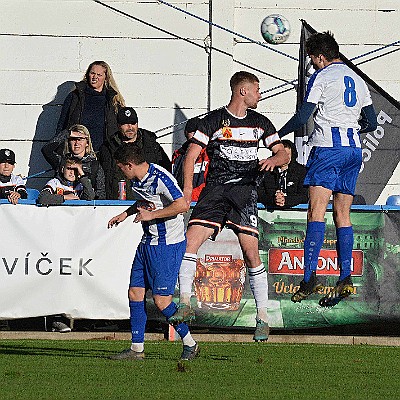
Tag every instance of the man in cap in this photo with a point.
(12, 187)
(129, 132)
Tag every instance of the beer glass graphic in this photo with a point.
(219, 281)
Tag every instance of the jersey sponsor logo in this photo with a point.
(217, 258)
(372, 139)
(239, 153)
(240, 134)
(59, 191)
(291, 261)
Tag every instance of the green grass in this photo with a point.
(43, 369)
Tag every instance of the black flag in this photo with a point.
(380, 149)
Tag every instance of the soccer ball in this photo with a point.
(275, 29)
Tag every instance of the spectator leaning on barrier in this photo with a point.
(200, 166)
(76, 142)
(129, 132)
(12, 187)
(70, 184)
(94, 103)
(283, 187)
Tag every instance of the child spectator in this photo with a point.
(12, 187)
(70, 184)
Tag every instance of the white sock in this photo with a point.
(259, 286)
(186, 277)
(138, 347)
(188, 340)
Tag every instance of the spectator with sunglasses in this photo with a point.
(76, 142)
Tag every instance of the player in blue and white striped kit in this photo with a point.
(159, 207)
(342, 107)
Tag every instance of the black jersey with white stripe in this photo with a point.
(232, 144)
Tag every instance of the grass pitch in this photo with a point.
(43, 369)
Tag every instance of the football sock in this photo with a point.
(259, 286)
(186, 277)
(312, 246)
(138, 319)
(182, 329)
(138, 347)
(344, 247)
(170, 310)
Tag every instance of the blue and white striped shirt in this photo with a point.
(339, 94)
(160, 187)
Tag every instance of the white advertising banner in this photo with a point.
(64, 260)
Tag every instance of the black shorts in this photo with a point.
(230, 205)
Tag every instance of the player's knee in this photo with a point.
(162, 302)
(136, 294)
(252, 259)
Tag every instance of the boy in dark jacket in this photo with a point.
(283, 187)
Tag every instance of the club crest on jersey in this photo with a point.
(151, 190)
(226, 132)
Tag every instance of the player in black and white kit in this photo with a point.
(231, 135)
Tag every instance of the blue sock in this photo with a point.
(182, 329)
(138, 320)
(344, 248)
(312, 246)
(170, 310)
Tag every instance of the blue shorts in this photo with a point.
(334, 168)
(157, 267)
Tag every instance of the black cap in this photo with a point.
(7, 155)
(192, 124)
(127, 115)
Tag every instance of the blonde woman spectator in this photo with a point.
(76, 142)
(93, 103)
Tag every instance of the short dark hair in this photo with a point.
(323, 43)
(240, 77)
(129, 152)
(69, 160)
(290, 145)
(192, 124)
